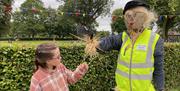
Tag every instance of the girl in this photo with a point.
(50, 73)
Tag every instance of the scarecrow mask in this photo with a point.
(135, 19)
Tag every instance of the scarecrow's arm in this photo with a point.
(113, 42)
(158, 75)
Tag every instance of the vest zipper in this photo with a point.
(130, 69)
(133, 42)
(130, 79)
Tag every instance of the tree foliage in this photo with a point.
(168, 8)
(118, 24)
(29, 20)
(36, 21)
(57, 24)
(5, 11)
(85, 12)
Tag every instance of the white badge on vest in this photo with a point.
(141, 47)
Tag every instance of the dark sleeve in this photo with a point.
(158, 75)
(113, 42)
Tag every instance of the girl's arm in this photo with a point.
(74, 76)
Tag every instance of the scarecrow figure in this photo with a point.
(140, 51)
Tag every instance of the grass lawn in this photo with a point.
(35, 43)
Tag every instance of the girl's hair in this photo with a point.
(43, 53)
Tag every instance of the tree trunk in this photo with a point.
(165, 30)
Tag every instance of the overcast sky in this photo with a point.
(104, 22)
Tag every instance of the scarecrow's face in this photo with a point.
(135, 18)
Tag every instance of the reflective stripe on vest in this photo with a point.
(137, 77)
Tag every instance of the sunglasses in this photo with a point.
(134, 15)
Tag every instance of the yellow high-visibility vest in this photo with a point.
(136, 62)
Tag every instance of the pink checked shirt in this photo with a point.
(42, 80)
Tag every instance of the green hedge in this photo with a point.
(16, 65)
(172, 66)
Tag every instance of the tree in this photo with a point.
(169, 8)
(5, 11)
(85, 12)
(50, 21)
(57, 24)
(18, 26)
(29, 20)
(35, 20)
(65, 27)
(118, 24)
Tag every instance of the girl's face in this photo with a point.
(56, 59)
(135, 18)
